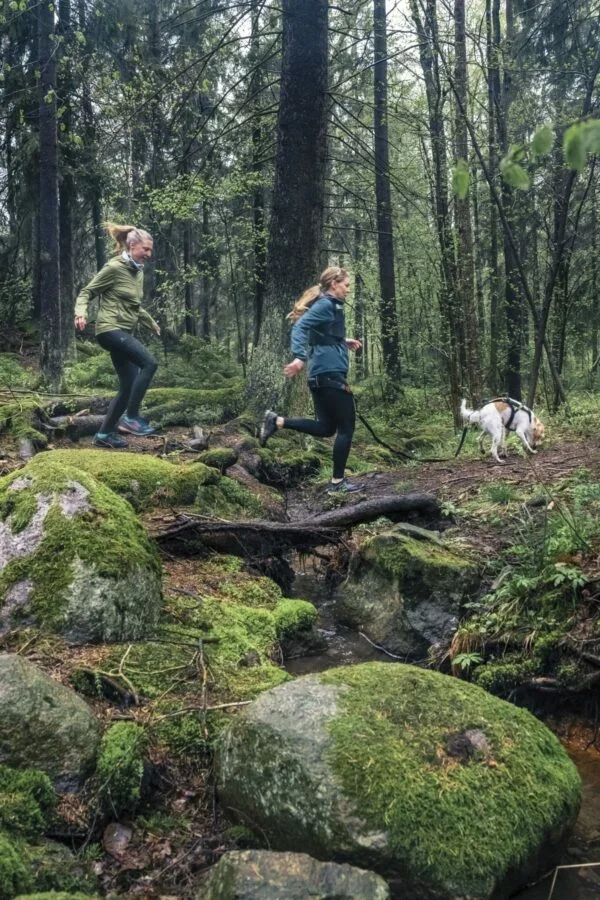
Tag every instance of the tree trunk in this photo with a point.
(66, 185)
(360, 324)
(52, 350)
(428, 53)
(465, 263)
(492, 19)
(390, 341)
(297, 215)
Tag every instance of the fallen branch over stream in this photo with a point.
(263, 538)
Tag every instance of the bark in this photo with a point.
(465, 262)
(360, 324)
(390, 341)
(429, 58)
(297, 214)
(67, 184)
(258, 200)
(52, 350)
(190, 313)
(92, 188)
(493, 82)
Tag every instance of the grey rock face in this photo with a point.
(405, 594)
(263, 875)
(45, 725)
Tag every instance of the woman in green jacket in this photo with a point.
(120, 286)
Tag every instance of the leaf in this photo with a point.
(516, 176)
(574, 146)
(461, 179)
(591, 136)
(542, 141)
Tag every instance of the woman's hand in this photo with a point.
(80, 322)
(293, 368)
(353, 344)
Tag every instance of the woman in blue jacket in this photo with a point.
(319, 341)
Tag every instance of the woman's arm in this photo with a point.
(146, 319)
(320, 313)
(99, 283)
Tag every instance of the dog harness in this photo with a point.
(515, 407)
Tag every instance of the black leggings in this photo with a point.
(135, 367)
(335, 412)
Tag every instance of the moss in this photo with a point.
(502, 676)
(397, 553)
(220, 458)
(27, 799)
(228, 500)
(121, 767)
(252, 591)
(17, 419)
(187, 406)
(292, 616)
(108, 537)
(143, 480)
(56, 869)
(287, 469)
(451, 821)
(57, 895)
(16, 876)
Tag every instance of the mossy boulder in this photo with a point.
(227, 499)
(405, 593)
(286, 467)
(189, 406)
(145, 481)
(74, 559)
(45, 726)
(248, 874)
(221, 458)
(448, 792)
(27, 799)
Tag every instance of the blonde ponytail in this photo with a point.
(331, 275)
(124, 236)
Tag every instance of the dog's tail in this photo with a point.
(469, 415)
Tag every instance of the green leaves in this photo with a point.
(461, 179)
(516, 176)
(580, 139)
(542, 141)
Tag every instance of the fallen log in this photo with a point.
(258, 538)
(74, 427)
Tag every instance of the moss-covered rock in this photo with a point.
(221, 458)
(145, 481)
(431, 781)
(56, 869)
(45, 726)
(120, 767)
(27, 799)
(247, 874)
(18, 419)
(405, 594)
(228, 500)
(74, 559)
(287, 467)
(187, 406)
(16, 876)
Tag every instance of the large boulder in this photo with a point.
(45, 725)
(446, 791)
(405, 593)
(74, 559)
(263, 875)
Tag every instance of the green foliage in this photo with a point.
(12, 373)
(580, 139)
(120, 767)
(460, 179)
(16, 876)
(467, 661)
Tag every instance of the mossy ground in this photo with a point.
(108, 536)
(18, 420)
(457, 822)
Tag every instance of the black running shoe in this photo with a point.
(268, 427)
(111, 440)
(343, 487)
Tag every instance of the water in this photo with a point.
(346, 647)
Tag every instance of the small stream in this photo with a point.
(346, 647)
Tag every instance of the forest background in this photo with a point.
(427, 146)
